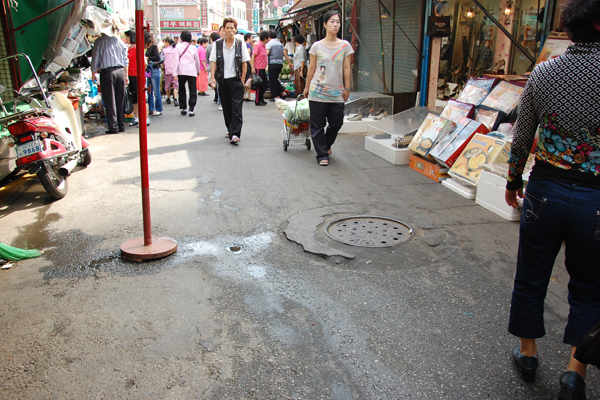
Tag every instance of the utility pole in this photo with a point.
(155, 19)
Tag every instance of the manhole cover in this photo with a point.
(369, 231)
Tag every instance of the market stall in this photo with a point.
(466, 144)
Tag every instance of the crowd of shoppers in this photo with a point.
(181, 69)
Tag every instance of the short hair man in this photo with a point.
(275, 54)
(109, 57)
(229, 69)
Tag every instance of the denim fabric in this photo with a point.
(554, 213)
(154, 98)
(322, 114)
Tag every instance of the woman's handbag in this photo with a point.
(588, 351)
(128, 103)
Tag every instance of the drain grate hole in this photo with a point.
(368, 231)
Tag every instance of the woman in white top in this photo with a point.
(187, 68)
(329, 89)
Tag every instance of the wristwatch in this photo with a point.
(346, 89)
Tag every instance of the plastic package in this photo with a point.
(455, 111)
(476, 90)
(504, 97)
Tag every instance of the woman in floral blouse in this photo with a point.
(562, 202)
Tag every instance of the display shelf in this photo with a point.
(382, 138)
(371, 103)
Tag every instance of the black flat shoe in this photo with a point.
(572, 386)
(527, 365)
(109, 132)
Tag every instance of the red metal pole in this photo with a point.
(141, 83)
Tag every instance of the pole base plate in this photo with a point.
(135, 250)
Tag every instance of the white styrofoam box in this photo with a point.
(384, 149)
(361, 126)
(468, 192)
(490, 195)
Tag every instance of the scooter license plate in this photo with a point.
(30, 148)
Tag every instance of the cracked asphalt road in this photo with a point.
(423, 320)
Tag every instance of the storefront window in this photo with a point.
(477, 46)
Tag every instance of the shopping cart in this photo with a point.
(295, 130)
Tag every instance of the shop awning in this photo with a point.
(272, 21)
(302, 4)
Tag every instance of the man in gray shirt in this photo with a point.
(275, 55)
(109, 57)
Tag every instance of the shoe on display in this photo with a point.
(380, 116)
(357, 117)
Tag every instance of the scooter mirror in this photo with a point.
(48, 54)
(2, 88)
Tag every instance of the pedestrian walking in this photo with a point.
(300, 65)
(228, 66)
(275, 54)
(154, 61)
(259, 64)
(109, 58)
(132, 86)
(328, 86)
(562, 201)
(188, 67)
(171, 83)
(214, 36)
(202, 83)
(248, 89)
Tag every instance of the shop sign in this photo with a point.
(228, 8)
(439, 27)
(214, 27)
(190, 24)
(204, 13)
(175, 2)
(255, 19)
(171, 12)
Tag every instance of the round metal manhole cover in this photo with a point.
(369, 231)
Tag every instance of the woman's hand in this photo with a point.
(306, 89)
(511, 197)
(253, 71)
(345, 95)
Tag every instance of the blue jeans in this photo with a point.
(154, 97)
(554, 212)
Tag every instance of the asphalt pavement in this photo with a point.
(293, 314)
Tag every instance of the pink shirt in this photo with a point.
(170, 59)
(186, 63)
(260, 56)
(202, 56)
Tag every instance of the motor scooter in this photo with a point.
(45, 132)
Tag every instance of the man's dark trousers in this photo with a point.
(274, 71)
(112, 85)
(231, 92)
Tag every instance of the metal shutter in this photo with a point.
(369, 76)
